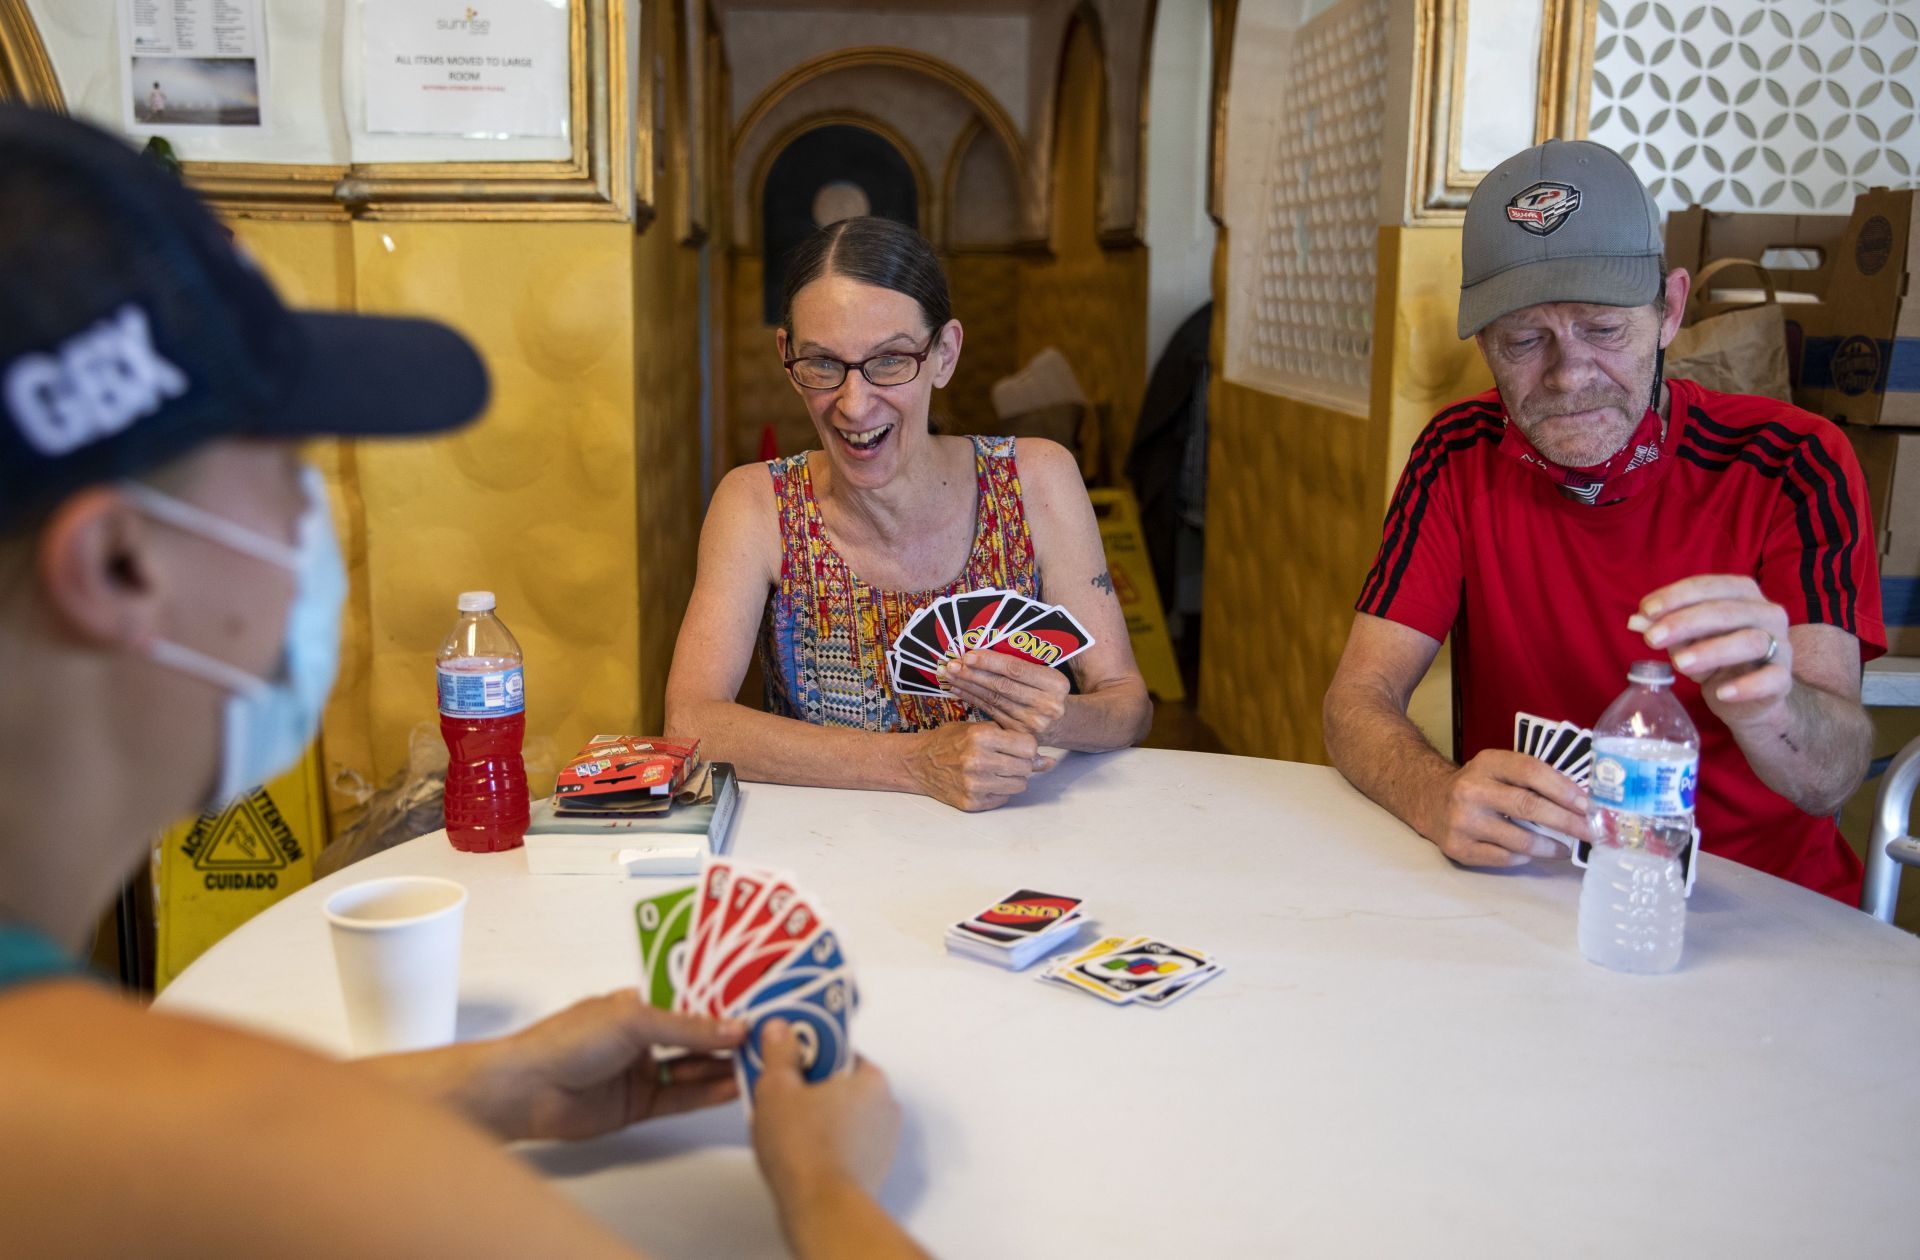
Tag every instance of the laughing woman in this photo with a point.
(825, 556)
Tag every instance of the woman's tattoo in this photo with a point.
(1105, 582)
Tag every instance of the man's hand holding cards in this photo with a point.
(747, 944)
(1562, 746)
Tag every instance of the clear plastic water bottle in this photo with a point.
(1646, 766)
(483, 719)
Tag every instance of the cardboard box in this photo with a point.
(1853, 320)
(1798, 251)
(1890, 459)
(1860, 350)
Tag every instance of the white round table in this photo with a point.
(1403, 1057)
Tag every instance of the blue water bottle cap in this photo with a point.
(476, 601)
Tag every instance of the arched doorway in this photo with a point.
(823, 175)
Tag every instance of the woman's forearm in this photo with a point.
(771, 749)
(1113, 715)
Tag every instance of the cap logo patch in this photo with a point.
(1542, 208)
(91, 386)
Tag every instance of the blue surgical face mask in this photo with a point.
(267, 723)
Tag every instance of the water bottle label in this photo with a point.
(1636, 785)
(495, 693)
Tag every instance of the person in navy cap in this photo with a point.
(170, 596)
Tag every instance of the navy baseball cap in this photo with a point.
(133, 331)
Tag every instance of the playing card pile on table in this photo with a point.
(1020, 927)
(747, 944)
(1562, 745)
(1136, 969)
(990, 620)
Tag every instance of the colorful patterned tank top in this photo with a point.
(823, 647)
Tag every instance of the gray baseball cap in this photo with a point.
(1564, 221)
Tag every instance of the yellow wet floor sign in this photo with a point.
(1134, 586)
(214, 873)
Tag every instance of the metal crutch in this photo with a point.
(1891, 847)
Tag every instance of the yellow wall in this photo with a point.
(1296, 493)
(537, 502)
(576, 499)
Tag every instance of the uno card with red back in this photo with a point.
(1051, 639)
(975, 613)
(911, 654)
(1020, 914)
(1012, 614)
(923, 634)
(915, 678)
(948, 623)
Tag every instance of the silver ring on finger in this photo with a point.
(1773, 648)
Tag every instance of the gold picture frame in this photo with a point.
(1441, 186)
(593, 183)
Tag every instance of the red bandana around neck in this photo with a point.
(1627, 471)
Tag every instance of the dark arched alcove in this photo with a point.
(834, 154)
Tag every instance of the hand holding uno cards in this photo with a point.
(747, 944)
(991, 620)
(1569, 749)
(1563, 746)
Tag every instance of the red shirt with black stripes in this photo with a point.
(1536, 589)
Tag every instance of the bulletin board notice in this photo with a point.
(192, 64)
(494, 71)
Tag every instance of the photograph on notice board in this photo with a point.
(196, 91)
(192, 63)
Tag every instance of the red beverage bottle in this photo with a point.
(483, 719)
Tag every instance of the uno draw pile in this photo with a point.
(1026, 925)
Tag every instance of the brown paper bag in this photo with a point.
(1739, 352)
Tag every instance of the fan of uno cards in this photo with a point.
(990, 619)
(747, 944)
(1568, 749)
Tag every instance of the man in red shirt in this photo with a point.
(1585, 513)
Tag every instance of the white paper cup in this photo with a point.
(397, 944)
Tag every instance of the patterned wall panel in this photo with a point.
(1305, 320)
(1786, 105)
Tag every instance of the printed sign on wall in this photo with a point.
(497, 69)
